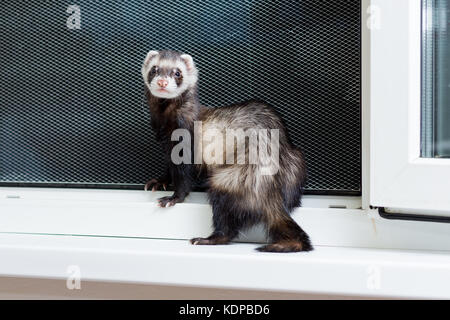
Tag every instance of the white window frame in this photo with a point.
(399, 178)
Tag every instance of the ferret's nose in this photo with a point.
(163, 83)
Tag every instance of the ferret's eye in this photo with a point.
(177, 74)
(153, 70)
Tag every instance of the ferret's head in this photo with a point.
(168, 74)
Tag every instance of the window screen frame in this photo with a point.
(71, 184)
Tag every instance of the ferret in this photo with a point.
(240, 193)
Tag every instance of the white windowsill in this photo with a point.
(327, 270)
(114, 239)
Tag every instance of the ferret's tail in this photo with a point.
(285, 234)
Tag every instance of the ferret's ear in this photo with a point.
(150, 56)
(188, 61)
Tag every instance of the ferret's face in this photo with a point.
(168, 74)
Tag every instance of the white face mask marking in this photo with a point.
(170, 91)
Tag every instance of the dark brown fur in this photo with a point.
(168, 115)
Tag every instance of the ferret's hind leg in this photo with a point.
(155, 184)
(229, 217)
(286, 236)
(224, 231)
(217, 238)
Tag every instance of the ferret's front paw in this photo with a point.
(155, 185)
(211, 241)
(168, 201)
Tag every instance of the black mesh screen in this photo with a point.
(72, 107)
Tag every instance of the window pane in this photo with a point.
(436, 79)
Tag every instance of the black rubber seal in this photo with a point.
(141, 187)
(412, 217)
